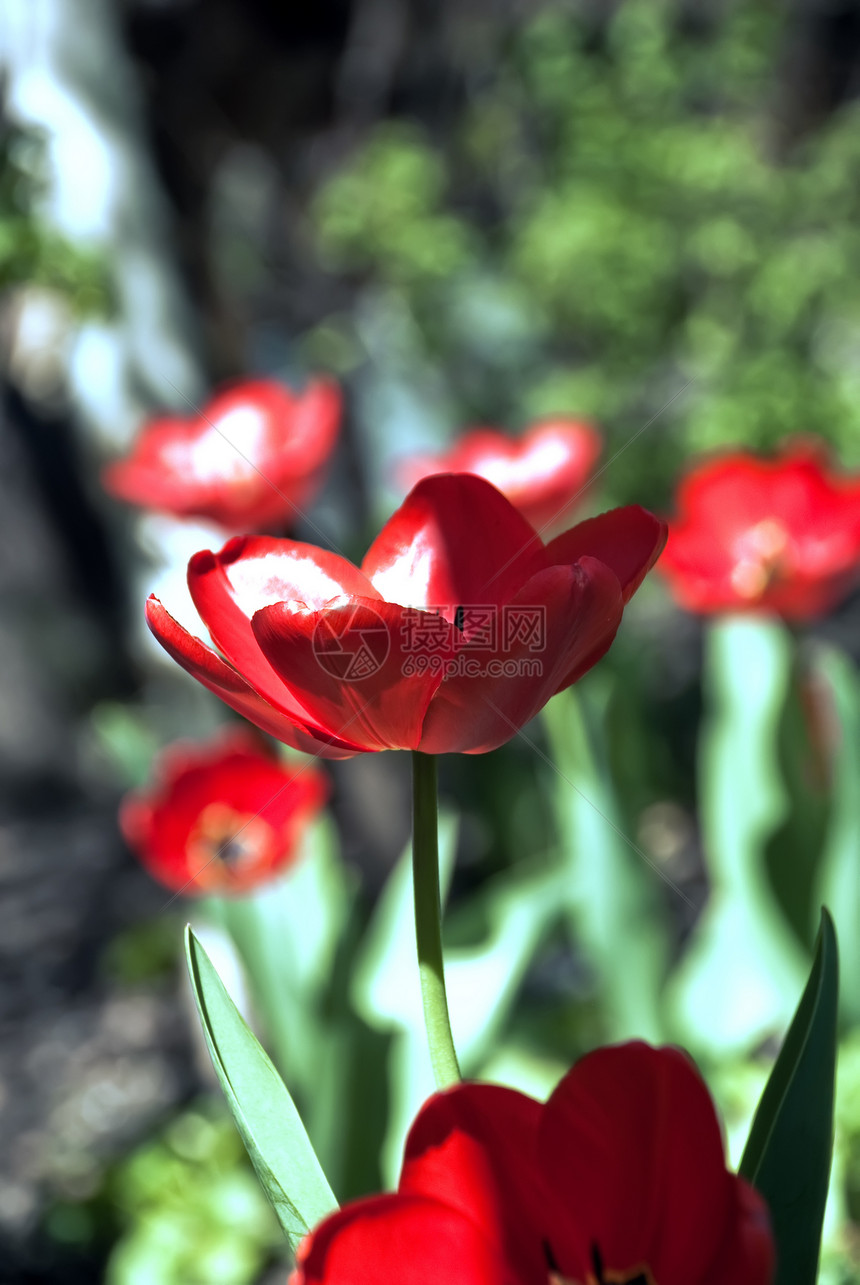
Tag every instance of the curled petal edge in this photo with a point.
(202, 663)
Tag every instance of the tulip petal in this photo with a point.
(406, 1239)
(630, 1140)
(556, 458)
(629, 540)
(747, 1256)
(246, 460)
(351, 667)
(475, 452)
(252, 572)
(542, 472)
(201, 464)
(579, 608)
(454, 541)
(778, 535)
(233, 793)
(214, 673)
(729, 493)
(474, 1148)
(314, 425)
(144, 482)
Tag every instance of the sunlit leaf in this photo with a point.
(274, 1135)
(287, 933)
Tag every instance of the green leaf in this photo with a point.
(273, 1134)
(287, 933)
(788, 1153)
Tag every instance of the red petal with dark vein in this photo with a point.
(252, 572)
(351, 667)
(455, 541)
(629, 540)
(209, 669)
(630, 1141)
(581, 608)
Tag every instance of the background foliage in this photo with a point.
(644, 212)
(616, 220)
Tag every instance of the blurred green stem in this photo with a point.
(428, 920)
(743, 965)
(612, 907)
(246, 923)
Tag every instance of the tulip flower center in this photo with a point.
(761, 554)
(598, 1274)
(225, 843)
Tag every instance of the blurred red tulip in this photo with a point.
(221, 818)
(752, 534)
(250, 460)
(542, 472)
(619, 1177)
(456, 631)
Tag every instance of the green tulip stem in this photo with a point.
(428, 920)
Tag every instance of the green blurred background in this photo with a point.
(642, 212)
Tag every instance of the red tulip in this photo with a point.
(458, 628)
(619, 1177)
(541, 473)
(779, 536)
(248, 461)
(222, 818)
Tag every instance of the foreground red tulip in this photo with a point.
(541, 473)
(222, 818)
(250, 460)
(619, 1177)
(779, 536)
(458, 628)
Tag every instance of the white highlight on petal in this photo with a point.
(227, 451)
